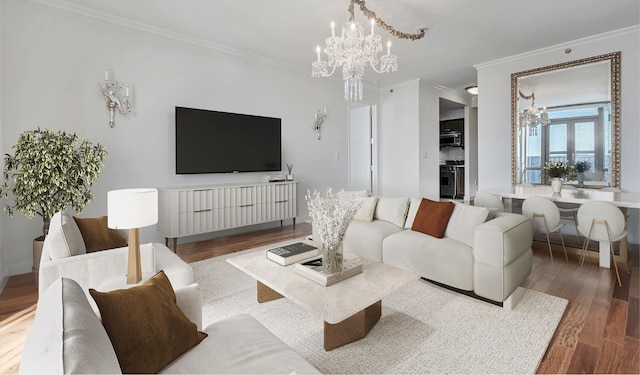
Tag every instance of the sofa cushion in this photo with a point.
(464, 219)
(414, 204)
(240, 345)
(67, 336)
(146, 327)
(365, 238)
(64, 238)
(97, 235)
(392, 210)
(432, 217)
(444, 260)
(367, 208)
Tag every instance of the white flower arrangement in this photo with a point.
(331, 216)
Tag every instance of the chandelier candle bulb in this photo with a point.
(318, 52)
(388, 48)
(373, 22)
(333, 29)
(106, 74)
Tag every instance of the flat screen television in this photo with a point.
(220, 142)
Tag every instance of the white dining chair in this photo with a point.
(490, 201)
(601, 221)
(569, 211)
(545, 218)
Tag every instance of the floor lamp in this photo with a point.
(132, 209)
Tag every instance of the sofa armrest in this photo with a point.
(179, 272)
(500, 241)
(92, 269)
(189, 299)
(502, 256)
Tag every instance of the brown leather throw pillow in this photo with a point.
(432, 217)
(146, 327)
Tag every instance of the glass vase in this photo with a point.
(332, 256)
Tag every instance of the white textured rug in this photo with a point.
(423, 328)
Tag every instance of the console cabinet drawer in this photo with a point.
(195, 210)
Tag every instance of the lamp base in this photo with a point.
(134, 268)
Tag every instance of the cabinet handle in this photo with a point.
(246, 205)
(284, 201)
(202, 210)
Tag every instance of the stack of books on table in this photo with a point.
(289, 254)
(312, 269)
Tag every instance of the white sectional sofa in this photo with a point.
(489, 258)
(68, 337)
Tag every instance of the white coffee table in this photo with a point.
(349, 308)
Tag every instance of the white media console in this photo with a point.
(188, 210)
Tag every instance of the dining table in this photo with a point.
(623, 200)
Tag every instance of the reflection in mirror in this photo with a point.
(567, 112)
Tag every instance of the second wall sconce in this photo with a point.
(117, 96)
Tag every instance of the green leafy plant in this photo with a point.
(557, 169)
(582, 166)
(49, 172)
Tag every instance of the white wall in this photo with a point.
(494, 112)
(52, 62)
(398, 144)
(3, 150)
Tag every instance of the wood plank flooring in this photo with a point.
(599, 332)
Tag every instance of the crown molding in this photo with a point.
(561, 46)
(129, 23)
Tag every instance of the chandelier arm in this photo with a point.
(372, 15)
(523, 96)
(333, 69)
(374, 67)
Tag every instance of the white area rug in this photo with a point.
(423, 328)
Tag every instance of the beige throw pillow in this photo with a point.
(463, 221)
(392, 210)
(367, 208)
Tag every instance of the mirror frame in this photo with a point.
(614, 77)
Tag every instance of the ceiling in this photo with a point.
(461, 32)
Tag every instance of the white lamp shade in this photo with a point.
(132, 208)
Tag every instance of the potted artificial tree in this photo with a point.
(49, 172)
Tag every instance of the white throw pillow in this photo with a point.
(392, 210)
(367, 209)
(464, 219)
(413, 210)
(64, 238)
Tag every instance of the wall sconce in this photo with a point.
(117, 96)
(320, 115)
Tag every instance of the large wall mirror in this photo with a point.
(567, 112)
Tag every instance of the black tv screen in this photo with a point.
(221, 142)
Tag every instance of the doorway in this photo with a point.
(362, 146)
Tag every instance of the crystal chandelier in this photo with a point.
(353, 51)
(533, 116)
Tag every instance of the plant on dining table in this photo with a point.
(582, 166)
(557, 169)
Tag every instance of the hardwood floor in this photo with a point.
(599, 332)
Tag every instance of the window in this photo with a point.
(574, 134)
